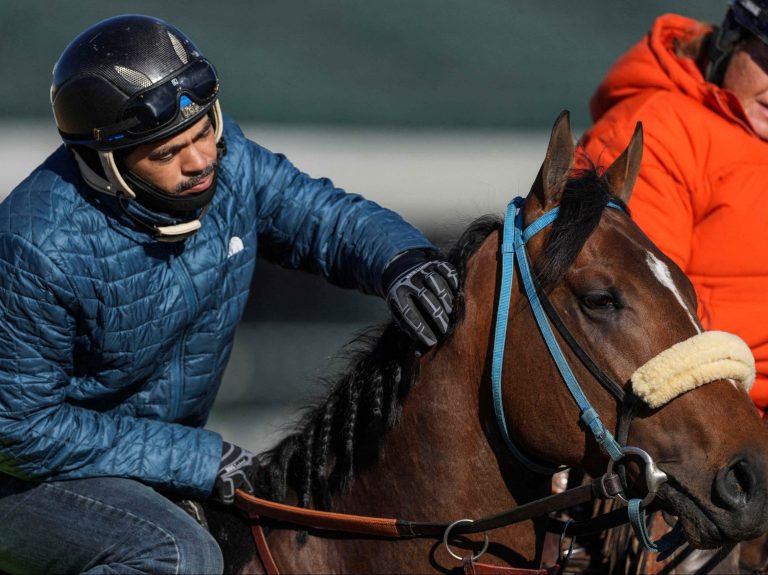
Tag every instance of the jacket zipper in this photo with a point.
(177, 365)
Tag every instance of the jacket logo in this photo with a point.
(235, 246)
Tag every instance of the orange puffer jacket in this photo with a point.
(702, 193)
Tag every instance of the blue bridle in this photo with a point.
(513, 246)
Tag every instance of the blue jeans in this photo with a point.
(99, 525)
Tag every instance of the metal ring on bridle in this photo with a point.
(448, 547)
(654, 476)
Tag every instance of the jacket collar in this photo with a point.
(656, 63)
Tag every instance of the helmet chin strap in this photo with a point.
(167, 234)
(154, 198)
(115, 184)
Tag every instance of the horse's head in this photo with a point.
(627, 307)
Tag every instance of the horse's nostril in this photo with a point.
(734, 483)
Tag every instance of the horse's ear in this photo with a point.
(622, 174)
(549, 183)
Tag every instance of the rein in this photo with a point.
(607, 487)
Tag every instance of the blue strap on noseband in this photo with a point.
(513, 245)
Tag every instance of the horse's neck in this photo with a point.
(437, 465)
(444, 461)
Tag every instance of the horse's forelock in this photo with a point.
(584, 198)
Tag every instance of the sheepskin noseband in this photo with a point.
(704, 358)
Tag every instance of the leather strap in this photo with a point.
(592, 526)
(470, 567)
(597, 489)
(474, 568)
(254, 507)
(600, 488)
(263, 548)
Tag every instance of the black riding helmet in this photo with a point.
(126, 81)
(744, 18)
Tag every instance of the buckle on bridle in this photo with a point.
(608, 486)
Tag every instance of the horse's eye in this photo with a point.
(601, 301)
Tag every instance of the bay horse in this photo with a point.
(412, 433)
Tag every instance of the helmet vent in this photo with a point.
(134, 77)
(752, 7)
(179, 48)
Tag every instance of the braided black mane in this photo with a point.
(343, 433)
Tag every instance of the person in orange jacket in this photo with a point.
(701, 93)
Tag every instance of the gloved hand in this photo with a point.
(420, 292)
(237, 465)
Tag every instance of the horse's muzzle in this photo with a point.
(740, 491)
(736, 510)
(736, 485)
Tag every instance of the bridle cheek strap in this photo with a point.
(703, 358)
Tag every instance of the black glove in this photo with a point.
(420, 293)
(236, 467)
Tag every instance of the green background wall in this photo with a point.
(489, 63)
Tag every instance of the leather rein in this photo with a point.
(608, 486)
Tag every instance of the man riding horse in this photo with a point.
(126, 262)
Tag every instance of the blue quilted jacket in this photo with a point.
(113, 346)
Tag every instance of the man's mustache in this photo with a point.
(192, 182)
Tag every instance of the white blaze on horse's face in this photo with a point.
(706, 357)
(662, 273)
